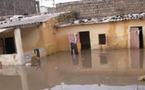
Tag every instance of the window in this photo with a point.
(102, 39)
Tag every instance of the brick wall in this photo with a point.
(11, 7)
(101, 8)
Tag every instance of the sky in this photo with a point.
(49, 3)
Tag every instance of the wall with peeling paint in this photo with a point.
(40, 37)
(118, 34)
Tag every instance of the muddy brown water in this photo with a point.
(90, 70)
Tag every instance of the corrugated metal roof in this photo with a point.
(6, 29)
(27, 20)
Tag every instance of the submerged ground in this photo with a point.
(90, 70)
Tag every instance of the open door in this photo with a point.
(136, 43)
(85, 40)
(136, 38)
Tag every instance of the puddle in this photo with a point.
(92, 70)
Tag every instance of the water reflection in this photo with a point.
(103, 58)
(112, 68)
(137, 58)
(86, 59)
(75, 59)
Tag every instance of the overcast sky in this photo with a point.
(49, 3)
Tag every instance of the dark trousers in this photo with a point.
(74, 49)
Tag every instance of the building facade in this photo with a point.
(17, 7)
(43, 33)
(102, 8)
(112, 35)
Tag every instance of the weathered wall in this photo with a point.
(41, 37)
(118, 36)
(49, 36)
(13, 7)
(31, 38)
(101, 8)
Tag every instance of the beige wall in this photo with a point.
(117, 33)
(42, 36)
(48, 37)
(31, 38)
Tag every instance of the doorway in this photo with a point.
(9, 45)
(85, 40)
(1, 46)
(136, 37)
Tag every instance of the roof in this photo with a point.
(19, 20)
(104, 20)
(2, 30)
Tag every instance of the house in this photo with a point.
(111, 32)
(22, 36)
(49, 33)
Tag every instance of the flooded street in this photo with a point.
(91, 70)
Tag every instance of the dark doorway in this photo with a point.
(141, 43)
(85, 40)
(10, 46)
(1, 46)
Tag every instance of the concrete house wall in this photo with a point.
(117, 33)
(40, 37)
(49, 39)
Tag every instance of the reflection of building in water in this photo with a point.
(103, 59)
(112, 67)
(19, 78)
(14, 78)
(106, 60)
(86, 59)
(137, 59)
(109, 67)
(110, 61)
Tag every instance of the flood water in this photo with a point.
(91, 70)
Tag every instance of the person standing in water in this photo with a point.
(73, 43)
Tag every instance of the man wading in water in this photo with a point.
(73, 44)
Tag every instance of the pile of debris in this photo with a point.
(105, 19)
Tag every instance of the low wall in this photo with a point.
(11, 59)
